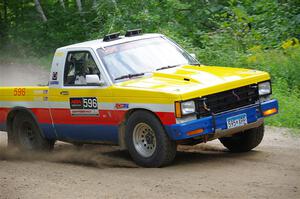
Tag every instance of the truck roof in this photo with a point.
(99, 43)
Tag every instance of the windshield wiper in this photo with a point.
(166, 67)
(129, 76)
(195, 64)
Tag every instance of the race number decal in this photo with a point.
(19, 92)
(86, 106)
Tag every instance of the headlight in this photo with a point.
(264, 88)
(187, 107)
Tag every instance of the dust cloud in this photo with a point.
(89, 156)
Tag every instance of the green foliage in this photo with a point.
(289, 109)
(248, 33)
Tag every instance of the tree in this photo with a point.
(5, 5)
(3, 23)
(62, 3)
(40, 10)
(94, 3)
(79, 6)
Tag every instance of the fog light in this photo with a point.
(270, 111)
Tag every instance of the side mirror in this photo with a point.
(93, 80)
(193, 55)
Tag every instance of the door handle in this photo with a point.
(64, 92)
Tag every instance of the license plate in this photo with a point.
(236, 121)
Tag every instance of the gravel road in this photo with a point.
(272, 170)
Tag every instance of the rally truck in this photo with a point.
(142, 92)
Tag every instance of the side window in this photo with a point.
(78, 65)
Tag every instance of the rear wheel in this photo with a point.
(27, 135)
(244, 141)
(147, 141)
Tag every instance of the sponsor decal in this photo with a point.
(86, 106)
(38, 92)
(39, 99)
(54, 82)
(59, 54)
(54, 76)
(122, 106)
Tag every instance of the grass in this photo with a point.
(284, 67)
(289, 106)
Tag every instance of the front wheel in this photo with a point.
(244, 141)
(147, 141)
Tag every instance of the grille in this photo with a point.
(227, 100)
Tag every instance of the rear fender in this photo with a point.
(12, 115)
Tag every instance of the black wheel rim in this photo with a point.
(27, 135)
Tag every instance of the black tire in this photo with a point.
(27, 135)
(244, 141)
(164, 151)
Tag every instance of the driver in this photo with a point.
(87, 67)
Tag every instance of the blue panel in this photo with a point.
(253, 114)
(88, 132)
(48, 131)
(269, 105)
(2, 127)
(179, 131)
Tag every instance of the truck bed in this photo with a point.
(29, 97)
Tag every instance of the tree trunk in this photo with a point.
(39, 9)
(5, 5)
(62, 3)
(79, 5)
(94, 3)
(1, 29)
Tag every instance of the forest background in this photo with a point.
(257, 34)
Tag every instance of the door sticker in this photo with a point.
(54, 76)
(84, 106)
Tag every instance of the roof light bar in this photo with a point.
(112, 36)
(134, 32)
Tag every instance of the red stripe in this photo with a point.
(106, 117)
(42, 114)
(3, 114)
(167, 118)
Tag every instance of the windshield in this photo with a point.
(142, 56)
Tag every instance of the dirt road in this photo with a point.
(272, 170)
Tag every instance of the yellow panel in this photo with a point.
(163, 87)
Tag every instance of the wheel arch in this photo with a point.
(122, 126)
(14, 112)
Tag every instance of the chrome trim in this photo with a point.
(255, 105)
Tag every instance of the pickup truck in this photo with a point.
(142, 92)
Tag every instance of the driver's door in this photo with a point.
(82, 116)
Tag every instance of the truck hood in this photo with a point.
(196, 81)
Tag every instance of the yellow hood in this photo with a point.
(196, 81)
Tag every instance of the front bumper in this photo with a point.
(216, 126)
